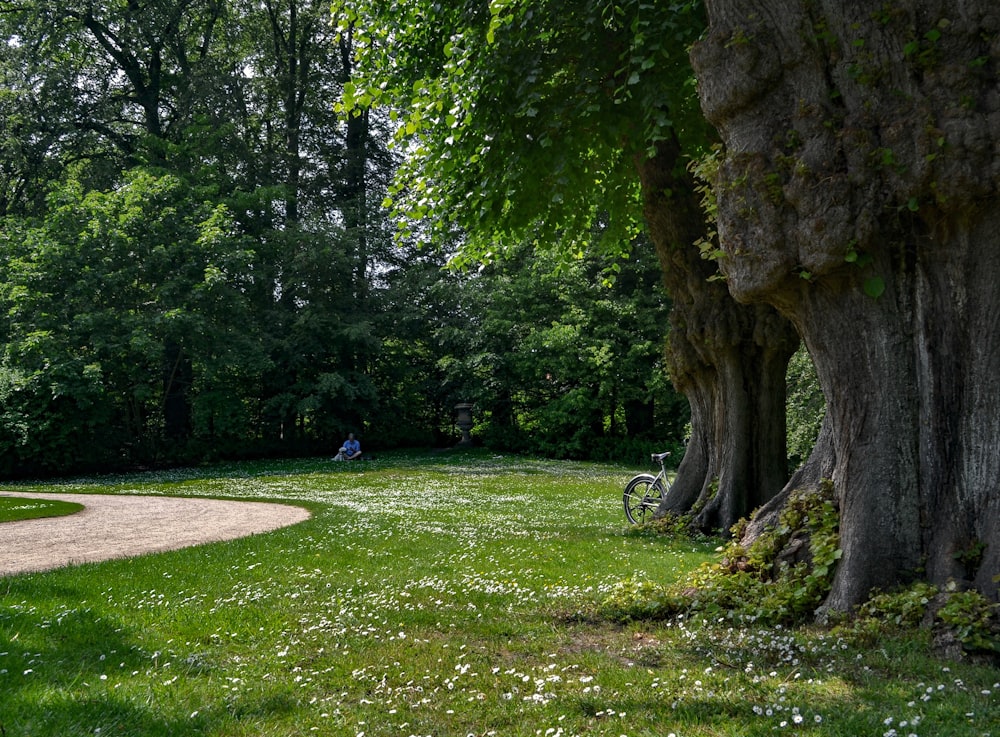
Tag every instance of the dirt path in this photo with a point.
(123, 526)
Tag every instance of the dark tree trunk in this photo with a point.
(639, 417)
(859, 197)
(153, 80)
(355, 186)
(817, 468)
(728, 359)
(178, 375)
(291, 36)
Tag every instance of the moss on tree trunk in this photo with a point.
(858, 196)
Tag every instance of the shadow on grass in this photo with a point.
(73, 672)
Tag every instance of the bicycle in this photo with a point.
(644, 492)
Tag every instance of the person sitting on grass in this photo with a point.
(350, 450)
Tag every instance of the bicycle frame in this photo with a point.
(645, 492)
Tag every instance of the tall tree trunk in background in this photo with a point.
(355, 203)
(728, 359)
(292, 41)
(859, 196)
(178, 375)
(292, 38)
(355, 175)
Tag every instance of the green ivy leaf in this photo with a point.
(874, 286)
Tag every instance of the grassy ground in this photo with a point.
(436, 595)
(17, 508)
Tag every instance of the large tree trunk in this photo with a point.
(859, 197)
(728, 359)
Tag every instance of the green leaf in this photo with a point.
(874, 286)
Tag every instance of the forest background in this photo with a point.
(196, 263)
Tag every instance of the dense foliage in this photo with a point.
(561, 364)
(523, 121)
(195, 263)
(805, 407)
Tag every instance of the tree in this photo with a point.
(326, 340)
(92, 294)
(235, 100)
(135, 69)
(859, 196)
(46, 97)
(560, 125)
(728, 359)
(559, 362)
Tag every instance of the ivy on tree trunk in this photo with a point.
(858, 196)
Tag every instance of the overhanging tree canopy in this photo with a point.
(521, 122)
(567, 125)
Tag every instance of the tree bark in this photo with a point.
(728, 359)
(292, 36)
(177, 379)
(355, 187)
(859, 198)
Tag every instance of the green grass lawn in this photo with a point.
(450, 594)
(19, 508)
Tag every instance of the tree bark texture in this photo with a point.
(356, 187)
(859, 197)
(728, 359)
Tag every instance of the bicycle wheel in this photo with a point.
(643, 495)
